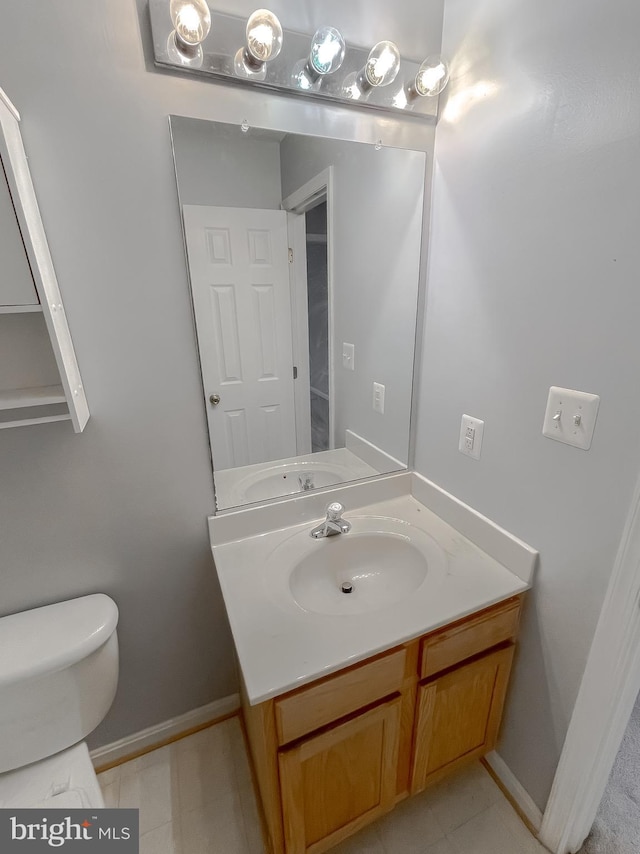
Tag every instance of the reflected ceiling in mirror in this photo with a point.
(303, 256)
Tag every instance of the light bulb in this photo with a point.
(264, 35)
(264, 43)
(383, 64)
(192, 22)
(327, 51)
(432, 76)
(325, 56)
(380, 69)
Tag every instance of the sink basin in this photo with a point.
(380, 562)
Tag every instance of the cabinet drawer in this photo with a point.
(450, 646)
(336, 696)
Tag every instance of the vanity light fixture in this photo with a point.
(258, 52)
(431, 79)
(380, 69)
(191, 21)
(264, 43)
(325, 57)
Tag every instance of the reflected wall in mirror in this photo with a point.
(303, 255)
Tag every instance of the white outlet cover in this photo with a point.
(571, 416)
(348, 356)
(378, 398)
(471, 432)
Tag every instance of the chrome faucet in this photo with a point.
(306, 481)
(333, 524)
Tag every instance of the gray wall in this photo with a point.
(122, 507)
(533, 282)
(219, 165)
(378, 203)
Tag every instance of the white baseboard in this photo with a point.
(155, 735)
(515, 789)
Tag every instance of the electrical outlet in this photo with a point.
(378, 398)
(471, 430)
(348, 357)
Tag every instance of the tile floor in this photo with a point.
(196, 797)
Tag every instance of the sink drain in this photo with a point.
(346, 587)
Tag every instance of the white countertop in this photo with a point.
(280, 646)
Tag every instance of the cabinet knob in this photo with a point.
(214, 399)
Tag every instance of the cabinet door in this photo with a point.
(458, 716)
(336, 782)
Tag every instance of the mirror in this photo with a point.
(303, 256)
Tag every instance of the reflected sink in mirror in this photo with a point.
(296, 477)
(381, 561)
(264, 481)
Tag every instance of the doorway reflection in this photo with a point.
(318, 312)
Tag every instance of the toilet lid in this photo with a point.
(55, 636)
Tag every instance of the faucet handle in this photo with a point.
(335, 511)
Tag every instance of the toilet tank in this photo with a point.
(58, 676)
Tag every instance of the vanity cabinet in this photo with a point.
(39, 376)
(334, 755)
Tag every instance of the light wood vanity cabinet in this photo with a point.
(336, 754)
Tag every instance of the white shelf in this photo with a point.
(26, 422)
(20, 398)
(316, 238)
(20, 309)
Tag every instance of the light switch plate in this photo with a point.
(571, 416)
(348, 356)
(471, 430)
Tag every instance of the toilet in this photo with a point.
(58, 678)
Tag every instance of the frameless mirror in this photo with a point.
(303, 256)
